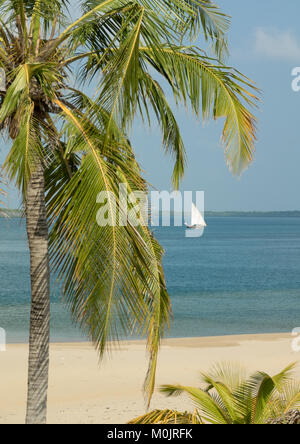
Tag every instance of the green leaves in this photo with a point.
(205, 85)
(118, 90)
(202, 18)
(262, 386)
(151, 93)
(26, 149)
(208, 407)
(19, 86)
(126, 44)
(220, 91)
(168, 417)
(19, 92)
(111, 275)
(231, 398)
(25, 127)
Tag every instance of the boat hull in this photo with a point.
(194, 227)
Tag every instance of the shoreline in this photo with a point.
(83, 391)
(186, 340)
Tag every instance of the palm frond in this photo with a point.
(220, 92)
(207, 20)
(289, 397)
(231, 374)
(26, 149)
(196, 80)
(262, 387)
(208, 407)
(141, 40)
(150, 91)
(112, 275)
(167, 417)
(231, 398)
(24, 10)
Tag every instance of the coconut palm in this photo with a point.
(229, 397)
(73, 88)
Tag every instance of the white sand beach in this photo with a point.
(81, 391)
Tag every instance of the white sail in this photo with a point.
(197, 218)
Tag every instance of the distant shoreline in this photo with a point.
(20, 214)
(295, 213)
(252, 213)
(11, 213)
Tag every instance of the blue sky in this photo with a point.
(265, 45)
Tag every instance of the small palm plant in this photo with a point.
(229, 397)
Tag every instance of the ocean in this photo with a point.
(241, 277)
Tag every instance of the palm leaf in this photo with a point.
(209, 408)
(167, 417)
(111, 275)
(199, 80)
(231, 398)
(26, 149)
(172, 140)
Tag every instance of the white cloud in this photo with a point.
(276, 44)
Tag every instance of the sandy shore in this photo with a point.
(81, 391)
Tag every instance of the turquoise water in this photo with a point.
(242, 276)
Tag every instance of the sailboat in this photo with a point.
(197, 220)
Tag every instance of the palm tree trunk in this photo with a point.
(38, 366)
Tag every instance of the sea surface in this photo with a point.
(242, 276)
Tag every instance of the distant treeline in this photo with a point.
(247, 213)
(252, 213)
(19, 213)
(4, 212)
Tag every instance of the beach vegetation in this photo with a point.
(228, 396)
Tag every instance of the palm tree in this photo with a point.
(69, 143)
(228, 397)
